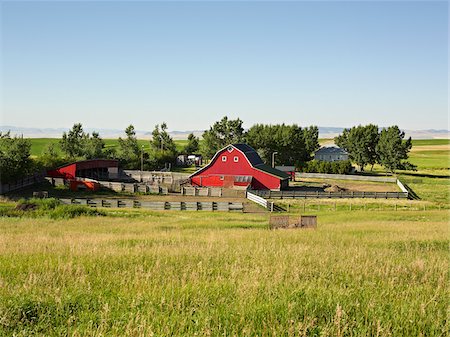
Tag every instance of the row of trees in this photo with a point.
(367, 145)
(293, 144)
(78, 145)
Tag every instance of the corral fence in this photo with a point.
(368, 205)
(258, 199)
(299, 175)
(120, 186)
(201, 191)
(286, 221)
(269, 205)
(157, 205)
(159, 177)
(22, 183)
(328, 195)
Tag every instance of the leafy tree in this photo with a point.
(224, 132)
(72, 141)
(128, 151)
(15, 159)
(163, 148)
(50, 157)
(193, 144)
(293, 144)
(337, 167)
(78, 144)
(360, 142)
(393, 150)
(93, 146)
(311, 140)
(161, 140)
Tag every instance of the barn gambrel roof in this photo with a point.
(253, 158)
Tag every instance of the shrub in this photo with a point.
(337, 167)
(50, 207)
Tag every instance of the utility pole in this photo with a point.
(273, 158)
(142, 161)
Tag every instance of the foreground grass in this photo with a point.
(187, 273)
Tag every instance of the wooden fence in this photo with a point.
(157, 205)
(258, 199)
(300, 175)
(328, 195)
(22, 183)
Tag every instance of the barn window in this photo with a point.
(224, 158)
(236, 159)
(221, 177)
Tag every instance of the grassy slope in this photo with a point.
(224, 274)
(432, 180)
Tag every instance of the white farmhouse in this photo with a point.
(331, 153)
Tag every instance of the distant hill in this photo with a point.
(324, 132)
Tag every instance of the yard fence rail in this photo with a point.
(328, 195)
(22, 183)
(299, 175)
(157, 205)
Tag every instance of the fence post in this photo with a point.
(271, 206)
(304, 206)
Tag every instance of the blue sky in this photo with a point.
(109, 64)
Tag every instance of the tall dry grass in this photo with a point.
(211, 274)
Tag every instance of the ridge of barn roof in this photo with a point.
(250, 153)
(254, 159)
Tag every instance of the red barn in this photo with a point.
(95, 169)
(239, 165)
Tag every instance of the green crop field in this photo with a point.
(216, 274)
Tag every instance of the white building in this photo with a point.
(331, 153)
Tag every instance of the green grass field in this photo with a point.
(371, 268)
(216, 274)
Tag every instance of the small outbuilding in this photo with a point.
(99, 169)
(239, 165)
(330, 154)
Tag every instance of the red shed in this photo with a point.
(239, 165)
(95, 169)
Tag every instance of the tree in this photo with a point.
(360, 142)
(311, 140)
(163, 148)
(128, 151)
(222, 133)
(15, 159)
(293, 144)
(50, 157)
(93, 146)
(161, 140)
(72, 142)
(78, 144)
(192, 145)
(393, 150)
